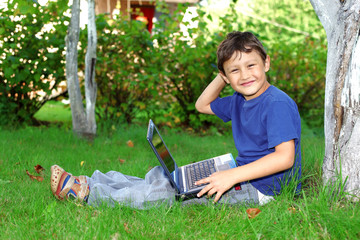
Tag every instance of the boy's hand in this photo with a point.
(282, 159)
(218, 182)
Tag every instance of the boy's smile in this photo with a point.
(245, 72)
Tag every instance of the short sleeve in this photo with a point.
(222, 108)
(282, 121)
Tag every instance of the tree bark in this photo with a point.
(341, 20)
(72, 39)
(84, 123)
(90, 61)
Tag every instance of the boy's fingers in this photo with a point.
(201, 193)
(204, 190)
(217, 197)
(199, 182)
(218, 194)
(202, 181)
(211, 192)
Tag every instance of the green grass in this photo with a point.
(54, 111)
(29, 211)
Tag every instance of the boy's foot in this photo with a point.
(66, 186)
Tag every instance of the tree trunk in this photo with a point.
(341, 20)
(90, 61)
(84, 123)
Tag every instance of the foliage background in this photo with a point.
(31, 59)
(160, 75)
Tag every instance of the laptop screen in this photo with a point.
(163, 154)
(162, 151)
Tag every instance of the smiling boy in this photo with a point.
(266, 131)
(265, 121)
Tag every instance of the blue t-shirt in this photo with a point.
(258, 126)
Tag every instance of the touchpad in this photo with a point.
(223, 167)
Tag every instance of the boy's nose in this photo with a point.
(245, 75)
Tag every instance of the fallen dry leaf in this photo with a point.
(82, 163)
(252, 212)
(126, 227)
(292, 210)
(32, 177)
(38, 168)
(121, 160)
(130, 143)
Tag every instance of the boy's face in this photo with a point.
(245, 72)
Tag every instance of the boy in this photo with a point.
(266, 131)
(265, 121)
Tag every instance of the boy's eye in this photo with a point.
(251, 65)
(234, 70)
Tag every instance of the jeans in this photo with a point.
(114, 187)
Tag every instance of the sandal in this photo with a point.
(66, 186)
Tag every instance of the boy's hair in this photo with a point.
(238, 42)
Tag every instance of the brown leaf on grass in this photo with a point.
(32, 177)
(122, 161)
(292, 210)
(38, 168)
(126, 227)
(130, 143)
(252, 212)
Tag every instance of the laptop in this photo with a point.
(183, 178)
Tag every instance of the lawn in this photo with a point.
(29, 211)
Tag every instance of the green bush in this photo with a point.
(299, 70)
(187, 63)
(123, 68)
(159, 75)
(31, 57)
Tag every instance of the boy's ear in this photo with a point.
(267, 63)
(223, 76)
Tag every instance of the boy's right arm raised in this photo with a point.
(211, 92)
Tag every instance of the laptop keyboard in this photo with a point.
(199, 170)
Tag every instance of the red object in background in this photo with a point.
(148, 15)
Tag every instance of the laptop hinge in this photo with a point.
(182, 180)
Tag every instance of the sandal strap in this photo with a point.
(84, 192)
(62, 191)
(82, 179)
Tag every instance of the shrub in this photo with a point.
(123, 68)
(142, 75)
(31, 60)
(299, 70)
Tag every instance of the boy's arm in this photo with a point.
(280, 160)
(211, 92)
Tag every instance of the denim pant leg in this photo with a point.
(115, 187)
(246, 195)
